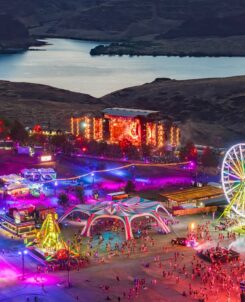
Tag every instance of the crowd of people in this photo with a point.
(178, 268)
(198, 279)
(218, 255)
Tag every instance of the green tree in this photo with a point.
(18, 132)
(209, 158)
(130, 187)
(63, 199)
(4, 128)
(146, 150)
(79, 190)
(188, 152)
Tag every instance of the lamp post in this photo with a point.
(68, 266)
(133, 173)
(22, 254)
(55, 187)
(242, 287)
(92, 174)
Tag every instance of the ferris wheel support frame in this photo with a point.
(238, 176)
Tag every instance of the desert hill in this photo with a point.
(210, 110)
(34, 103)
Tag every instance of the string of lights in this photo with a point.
(92, 173)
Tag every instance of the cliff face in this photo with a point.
(11, 29)
(14, 35)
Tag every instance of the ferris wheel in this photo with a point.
(233, 178)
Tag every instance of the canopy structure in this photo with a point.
(126, 211)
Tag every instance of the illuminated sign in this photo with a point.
(45, 158)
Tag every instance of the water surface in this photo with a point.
(67, 64)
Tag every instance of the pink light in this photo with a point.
(8, 275)
(38, 279)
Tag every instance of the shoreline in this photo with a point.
(186, 47)
(32, 45)
(183, 48)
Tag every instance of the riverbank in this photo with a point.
(14, 47)
(182, 47)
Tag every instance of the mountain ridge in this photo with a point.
(152, 21)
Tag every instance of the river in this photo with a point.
(67, 64)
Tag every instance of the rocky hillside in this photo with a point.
(14, 36)
(125, 20)
(224, 26)
(210, 110)
(33, 103)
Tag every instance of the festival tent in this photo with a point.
(126, 211)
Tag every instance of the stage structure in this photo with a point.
(233, 179)
(116, 125)
(125, 211)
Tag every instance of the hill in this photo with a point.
(39, 104)
(152, 21)
(211, 111)
(14, 35)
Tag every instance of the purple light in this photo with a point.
(23, 252)
(192, 165)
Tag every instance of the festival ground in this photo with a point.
(164, 272)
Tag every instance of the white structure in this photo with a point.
(125, 211)
(41, 174)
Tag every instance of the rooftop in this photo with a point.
(194, 194)
(128, 112)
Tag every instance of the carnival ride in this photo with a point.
(50, 247)
(49, 238)
(233, 179)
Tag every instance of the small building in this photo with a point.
(13, 185)
(22, 221)
(193, 198)
(139, 127)
(16, 227)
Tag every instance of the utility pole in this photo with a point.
(68, 266)
(22, 254)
